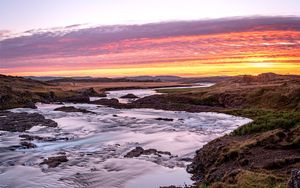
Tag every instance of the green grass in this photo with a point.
(265, 120)
(248, 179)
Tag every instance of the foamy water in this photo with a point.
(98, 142)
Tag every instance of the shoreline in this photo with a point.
(52, 161)
(268, 147)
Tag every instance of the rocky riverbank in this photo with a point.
(259, 160)
(260, 154)
(20, 122)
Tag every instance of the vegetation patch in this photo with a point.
(265, 120)
(248, 179)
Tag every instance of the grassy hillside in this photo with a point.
(263, 91)
(260, 154)
(24, 92)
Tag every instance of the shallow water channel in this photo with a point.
(97, 143)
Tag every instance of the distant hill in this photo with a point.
(155, 78)
(93, 79)
(213, 79)
(50, 78)
(79, 79)
(265, 78)
(166, 78)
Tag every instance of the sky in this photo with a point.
(158, 37)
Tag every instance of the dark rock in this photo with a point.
(135, 152)
(53, 162)
(46, 139)
(20, 122)
(72, 109)
(138, 151)
(294, 181)
(27, 145)
(103, 94)
(149, 152)
(164, 119)
(30, 105)
(164, 152)
(129, 96)
(187, 159)
(76, 99)
(173, 186)
(107, 102)
(91, 92)
(30, 137)
(23, 145)
(217, 160)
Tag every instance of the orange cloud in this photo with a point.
(244, 52)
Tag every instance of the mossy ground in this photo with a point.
(265, 120)
(248, 179)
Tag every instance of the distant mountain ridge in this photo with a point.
(155, 78)
(49, 78)
(163, 78)
(265, 77)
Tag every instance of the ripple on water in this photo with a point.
(97, 144)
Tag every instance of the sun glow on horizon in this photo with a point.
(185, 71)
(196, 55)
(262, 64)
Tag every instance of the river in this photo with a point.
(97, 143)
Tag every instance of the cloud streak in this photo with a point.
(168, 44)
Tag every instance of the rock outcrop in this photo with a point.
(53, 162)
(72, 109)
(20, 122)
(226, 159)
(129, 96)
(138, 151)
(91, 92)
(107, 102)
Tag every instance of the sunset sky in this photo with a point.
(136, 37)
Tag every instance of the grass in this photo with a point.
(265, 120)
(248, 179)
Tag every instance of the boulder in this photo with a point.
(27, 145)
(91, 92)
(72, 109)
(45, 139)
(76, 99)
(164, 119)
(138, 151)
(129, 96)
(107, 102)
(20, 122)
(53, 162)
